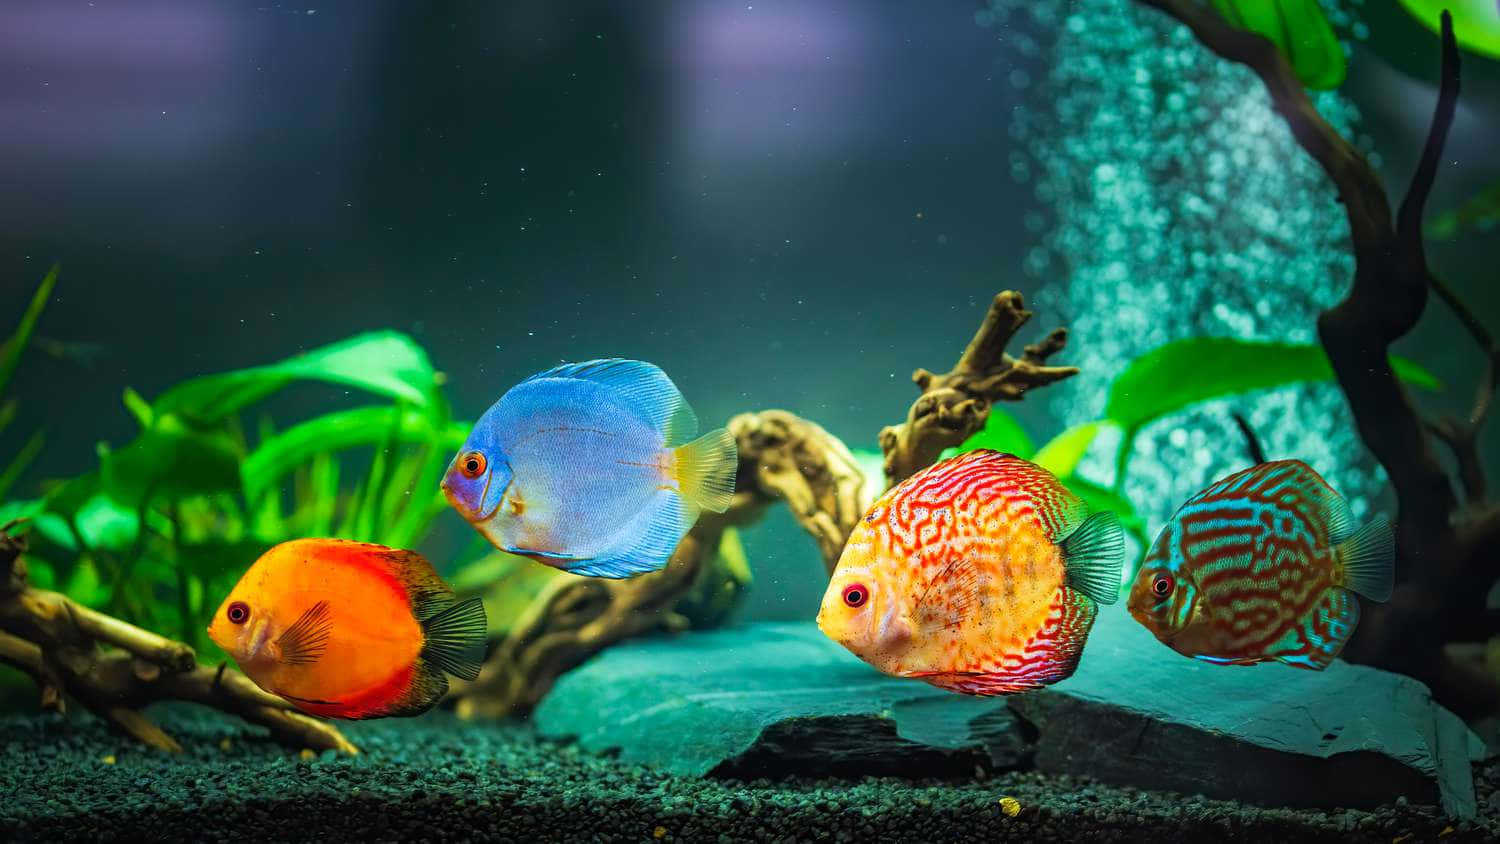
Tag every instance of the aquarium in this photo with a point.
(1024, 420)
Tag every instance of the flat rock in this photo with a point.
(781, 699)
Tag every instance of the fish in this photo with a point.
(981, 574)
(591, 468)
(1263, 565)
(350, 630)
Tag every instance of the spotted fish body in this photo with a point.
(1263, 565)
(980, 575)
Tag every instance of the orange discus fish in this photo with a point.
(350, 630)
(979, 574)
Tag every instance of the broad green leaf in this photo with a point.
(1480, 211)
(332, 432)
(1186, 372)
(173, 461)
(1061, 455)
(10, 352)
(1300, 30)
(84, 584)
(1001, 432)
(1476, 23)
(103, 524)
(386, 363)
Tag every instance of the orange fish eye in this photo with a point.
(238, 612)
(1162, 585)
(855, 594)
(472, 465)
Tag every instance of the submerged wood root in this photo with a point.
(115, 669)
(782, 457)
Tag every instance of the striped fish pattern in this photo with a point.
(1263, 565)
(981, 574)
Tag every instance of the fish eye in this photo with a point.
(1162, 585)
(472, 465)
(855, 594)
(238, 612)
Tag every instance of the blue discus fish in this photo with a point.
(591, 468)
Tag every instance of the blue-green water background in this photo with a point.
(783, 204)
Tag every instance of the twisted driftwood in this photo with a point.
(1447, 552)
(115, 669)
(782, 458)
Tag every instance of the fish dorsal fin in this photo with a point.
(642, 387)
(1058, 509)
(305, 641)
(1289, 483)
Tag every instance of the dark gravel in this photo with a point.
(436, 778)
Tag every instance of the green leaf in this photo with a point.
(103, 524)
(18, 464)
(1186, 372)
(1061, 455)
(1476, 23)
(173, 461)
(331, 432)
(1001, 432)
(1300, 30)
(84, 585)
(139, 408)
(1480, 211)
(209, 560)
(10, 353)
(386, 363)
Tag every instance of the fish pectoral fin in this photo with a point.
(306, 640)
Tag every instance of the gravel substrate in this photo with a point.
(436, 778)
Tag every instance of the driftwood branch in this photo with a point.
(955, 405)
(782, 458)
(1446, 555)
(115, 669)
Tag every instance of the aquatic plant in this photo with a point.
(10, 358)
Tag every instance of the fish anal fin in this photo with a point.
(1050, 655)
(646, 543)
(1317, 639)
(642, 387)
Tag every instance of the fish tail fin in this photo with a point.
(1368, 559)
(705, 470)
(454, 638)
(1093, 556)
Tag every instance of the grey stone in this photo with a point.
(772, 700)
(778, 699)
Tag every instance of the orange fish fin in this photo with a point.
(424, 688)
(305, 641)
(1058, 509)
(1050, 655)
(953, 591)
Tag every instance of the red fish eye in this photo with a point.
(238, 612)
(855, 594)
(472, 465)
(1162, 585)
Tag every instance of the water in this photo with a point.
(783, 205)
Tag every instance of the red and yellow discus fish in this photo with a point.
(980, 574)
(350, 630)
(1263, 565)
